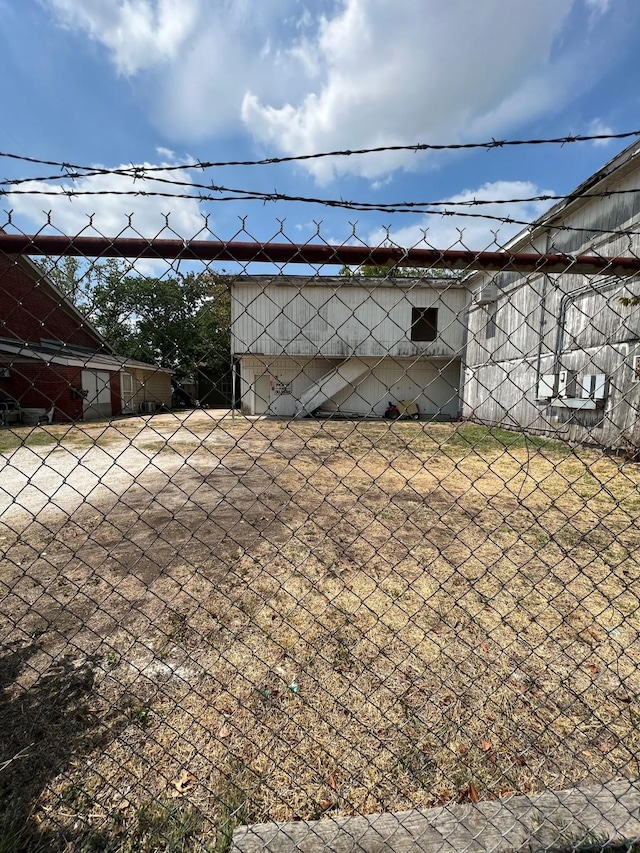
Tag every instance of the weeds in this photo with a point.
(169, 828)
(139, 715)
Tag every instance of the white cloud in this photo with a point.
(596, 128)
(127, 215)
(332, 74)
(436, 72)
(138, 33)
(461, 232)
(199, 58)
(599, 7)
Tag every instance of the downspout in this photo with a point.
(543, 314)
(562, 314)
(233, 389)
(463, 354)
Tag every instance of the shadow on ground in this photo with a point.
(47, 724)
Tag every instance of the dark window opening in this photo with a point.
(424, 324)
(491, 321)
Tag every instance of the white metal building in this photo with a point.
(347, 345)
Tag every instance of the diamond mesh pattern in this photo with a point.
(265, 558)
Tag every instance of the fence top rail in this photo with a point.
(316, 254)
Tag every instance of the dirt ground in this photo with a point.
(209, 621)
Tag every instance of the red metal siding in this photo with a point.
(29, 311)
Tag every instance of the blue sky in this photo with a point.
(113, 82)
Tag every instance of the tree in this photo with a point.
(67, 274)
(178, 321)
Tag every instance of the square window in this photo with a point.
(424, 324)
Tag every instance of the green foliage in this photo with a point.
(629, 301)
(178, 321)
(171, 828)
(67, 274)
(378, 271)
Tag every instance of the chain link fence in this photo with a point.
(294, 554)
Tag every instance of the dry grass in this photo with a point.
(337, 618)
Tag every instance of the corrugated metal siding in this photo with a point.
(278, 318)
(434, 389)
(504, 394)
(434, 385)
(609, 213)
(599, 335)
(298, 374)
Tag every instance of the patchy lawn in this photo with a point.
(276, 620)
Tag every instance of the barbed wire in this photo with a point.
(348, 152)
(278, 196)
(363, 207)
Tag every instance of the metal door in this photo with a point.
(97, 402)
(262, 394)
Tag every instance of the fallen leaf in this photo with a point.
(469, 795)
(593, 668)
(225, 731)
(463, 750)
(466, 795)
(486, 745)
(332, 782)
(183, 783)
(484, 647)
(226, 709)
(123, 805)
(325, 805)
(506, 792)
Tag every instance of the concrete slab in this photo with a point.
(554, 819)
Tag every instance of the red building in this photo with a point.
(51, 357)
